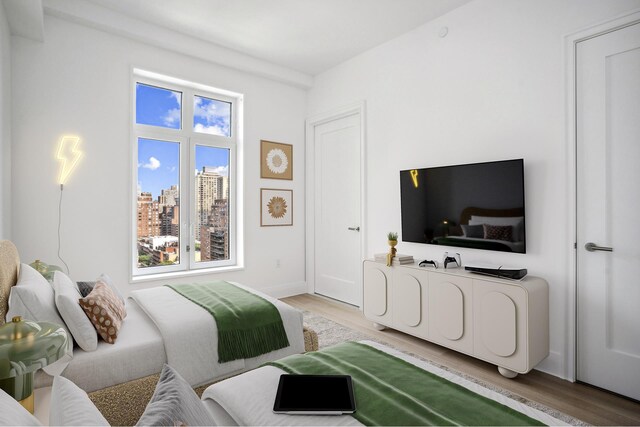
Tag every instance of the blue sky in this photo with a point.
(162, 107)
(159, 161)
(158, 107)
(211, 116)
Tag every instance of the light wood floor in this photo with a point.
(587, 403)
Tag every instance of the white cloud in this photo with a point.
(172, 117)
(222, 170)
(171, 169)
(210, 111)
(152, 164)
(178, 97)
(213, 130)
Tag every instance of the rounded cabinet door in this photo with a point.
(376, 292)
(498, 323)
(409, 300)
(448, 317)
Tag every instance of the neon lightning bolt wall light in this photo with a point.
(414, 177)
(69, 155)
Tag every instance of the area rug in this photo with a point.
(330, 333)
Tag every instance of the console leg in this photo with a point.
(379, 327)
(508, 373)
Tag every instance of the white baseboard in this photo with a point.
(553, 365)
(286, 289)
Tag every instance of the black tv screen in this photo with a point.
(478, 205)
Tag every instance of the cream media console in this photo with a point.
(504, 322)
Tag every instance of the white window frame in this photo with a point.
(188, 139)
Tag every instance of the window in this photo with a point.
(186, 194)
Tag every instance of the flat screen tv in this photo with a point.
(478, 205)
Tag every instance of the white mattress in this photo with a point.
(138, 352)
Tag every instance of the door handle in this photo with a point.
(354, 228)
(591, 247)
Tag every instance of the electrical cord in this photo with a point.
(59, 225)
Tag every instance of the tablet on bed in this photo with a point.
(314, 395)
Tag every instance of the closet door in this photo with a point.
(608, 202)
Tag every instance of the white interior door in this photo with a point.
(608, 204)
(337, 209)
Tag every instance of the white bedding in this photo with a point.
(191, 337)
(139, 352)
(248, 398)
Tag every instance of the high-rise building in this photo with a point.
(170, 221)
(205, 243)
(210, 186)
(214, 237)
(148, 216)
(169, 196)
(219, 221)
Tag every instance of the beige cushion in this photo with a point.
(105, 310)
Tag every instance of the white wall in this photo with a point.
(79, 81)
(493, 89)
(5, 127)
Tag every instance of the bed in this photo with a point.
(466, 236)
(145, 343)
(248, 399)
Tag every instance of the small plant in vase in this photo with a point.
(393, 241)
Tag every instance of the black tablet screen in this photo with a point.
(314, 393)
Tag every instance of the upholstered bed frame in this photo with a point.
(9, 271)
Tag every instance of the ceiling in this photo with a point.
(309, 36)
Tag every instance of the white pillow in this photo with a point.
(70, 406)
(517, 222)
(66, 297)
(174, 403)
(33, 299)
(13, 414)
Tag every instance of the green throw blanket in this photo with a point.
(390, 391)
(248, 325)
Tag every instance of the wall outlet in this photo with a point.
(278, 263)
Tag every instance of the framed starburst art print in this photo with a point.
(276, 160)
(276, 207)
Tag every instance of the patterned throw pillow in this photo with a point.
(105, 310)
(498, 232)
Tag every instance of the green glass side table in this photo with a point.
(25, 347)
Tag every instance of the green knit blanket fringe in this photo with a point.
(393, 392)
(248, 325)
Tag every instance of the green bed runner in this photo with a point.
(248, 325)
(390, 391)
